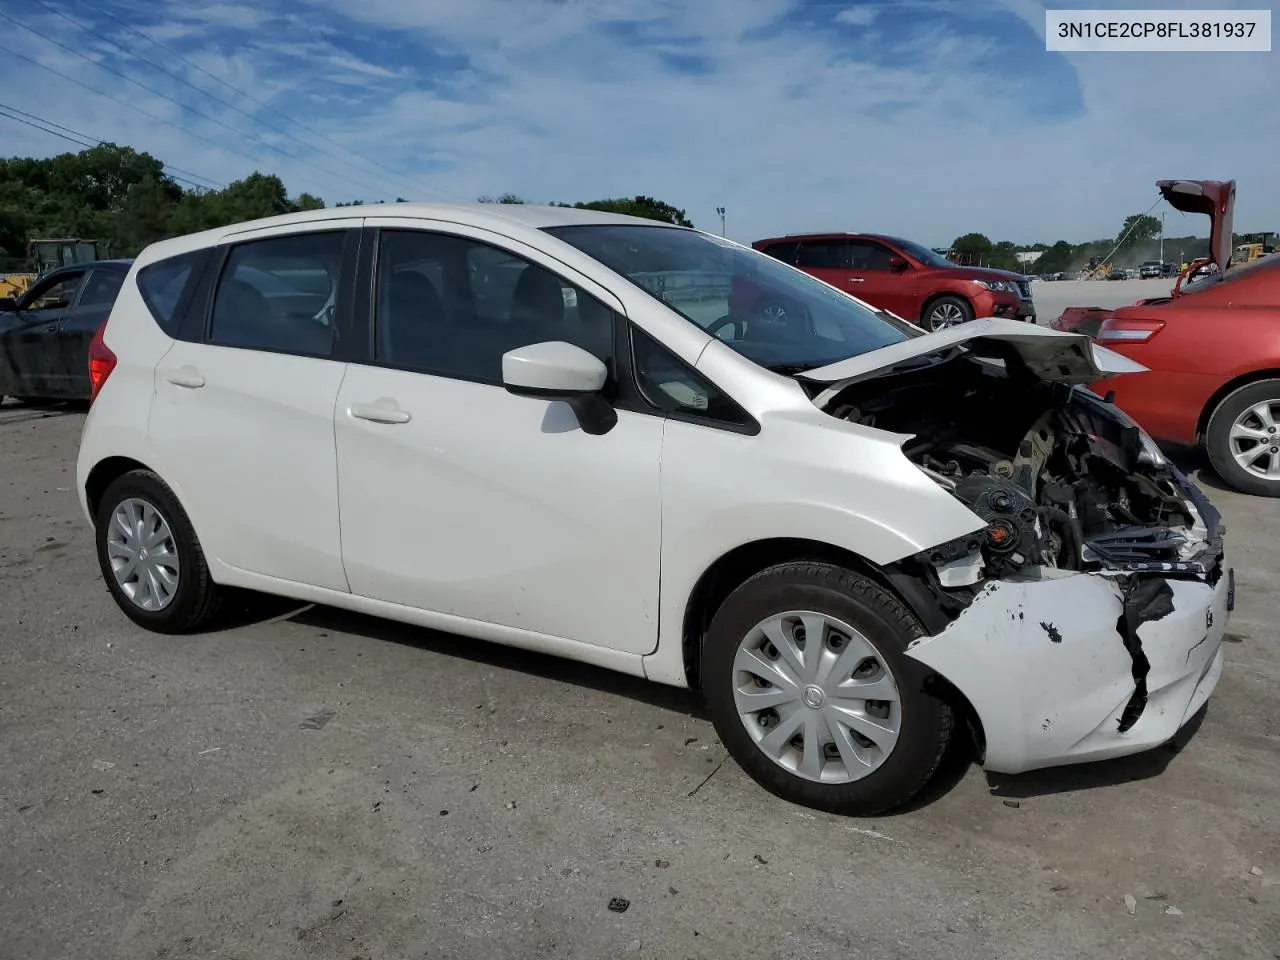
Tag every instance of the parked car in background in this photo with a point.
(45, 333)
(903, 277)
(551, 428)
(1151, 269)
(1212, 349)
(1213, 353)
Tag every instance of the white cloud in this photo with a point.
(785, 126)
(860, 16)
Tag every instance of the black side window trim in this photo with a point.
(642, 404)
(198, 324)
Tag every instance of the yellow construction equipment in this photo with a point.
(44, 255)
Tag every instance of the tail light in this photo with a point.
(1117, 330)
(101, 362)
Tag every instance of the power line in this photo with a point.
(254, 100)
(146, 113)
(179, 103)
(95, 142)
(78, 142)
(226, 103)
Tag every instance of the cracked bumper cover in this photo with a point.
(1046, 668)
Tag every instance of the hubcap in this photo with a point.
(946, 315)
(816, 697)
(143, 555)
(1255, 440)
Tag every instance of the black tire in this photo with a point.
(926, 722)
(197, 600)
(1218, 437)
(930, 319)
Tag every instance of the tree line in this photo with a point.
(125, 200)
(1138, 240)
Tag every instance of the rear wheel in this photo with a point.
(150, 557)
(1243, 438)
(947, 312)
(806, 679)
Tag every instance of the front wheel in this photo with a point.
(1243, 438)
(150, 557)
(807, 682)
(947, 312)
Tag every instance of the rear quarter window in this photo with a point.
(164, 283)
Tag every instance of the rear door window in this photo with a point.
(823, 255)
(279, 294)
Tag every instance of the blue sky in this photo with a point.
(925, 118)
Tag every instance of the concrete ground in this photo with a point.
(312, 784)
(1053, 296)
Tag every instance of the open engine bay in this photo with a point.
(1060, 476)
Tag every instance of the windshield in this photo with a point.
(923, 254)
(768, 312)
(1233, 274)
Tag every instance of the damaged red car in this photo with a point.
(1211, 351)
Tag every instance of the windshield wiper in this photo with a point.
(790, 369)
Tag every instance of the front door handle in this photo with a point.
(188, 377)
(51, 327)
(381, 410)
(855, 279)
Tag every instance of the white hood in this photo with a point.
(1050, 354)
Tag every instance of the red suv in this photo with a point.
(904, 278)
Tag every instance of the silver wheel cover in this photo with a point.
(143, 555)
(816, 697)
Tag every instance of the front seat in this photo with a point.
(242, 315)
(413, 309)
(537, 306)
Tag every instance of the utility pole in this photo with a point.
(1162, 238)
(720, 210)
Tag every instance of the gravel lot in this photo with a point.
(310, 783)
(1053, 296)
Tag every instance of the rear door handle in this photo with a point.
(188, 377)
(382, 410)
(855, 279)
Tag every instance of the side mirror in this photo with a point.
(898, 264)
(555, 370)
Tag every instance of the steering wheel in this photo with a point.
(727, 321)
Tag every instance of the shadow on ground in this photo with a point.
(246, 609)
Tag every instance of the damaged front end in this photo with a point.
(1084, 619)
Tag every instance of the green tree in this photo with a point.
(972, 247)
(640, 206)
(1138, 228)
(1057, 259)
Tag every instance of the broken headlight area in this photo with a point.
(1061, 478)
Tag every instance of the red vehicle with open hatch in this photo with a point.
(1211, 349)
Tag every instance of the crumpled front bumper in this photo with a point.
(1056, 675)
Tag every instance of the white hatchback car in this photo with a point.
(654, 450)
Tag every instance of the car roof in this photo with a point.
(117, 264)
(834, 235)
(529, 215)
